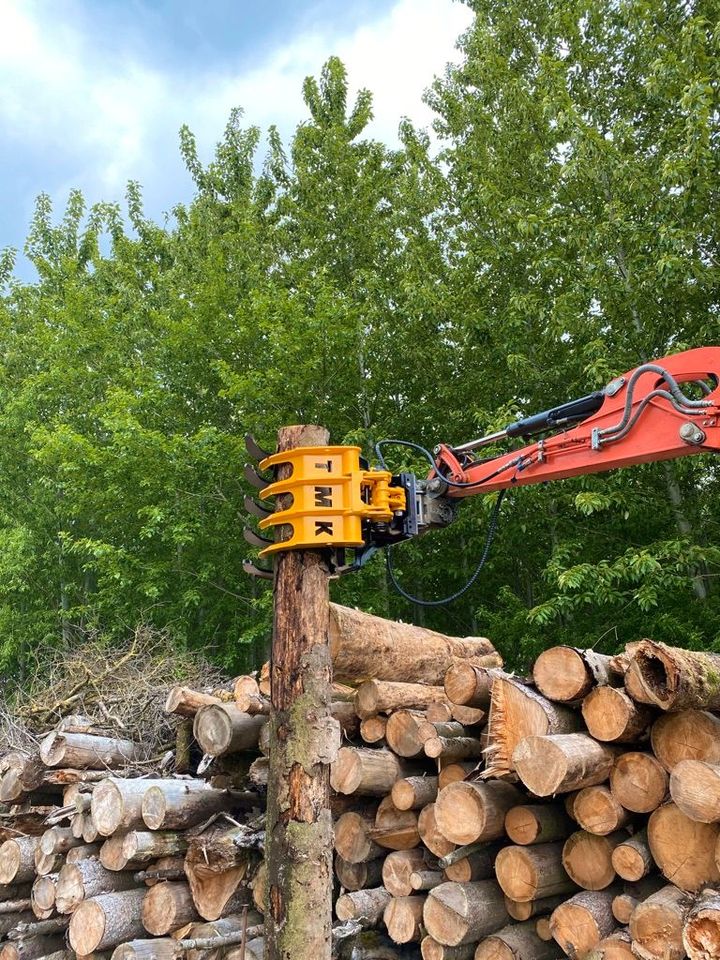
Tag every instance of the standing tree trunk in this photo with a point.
(303, 742)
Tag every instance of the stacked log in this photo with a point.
(477, 814)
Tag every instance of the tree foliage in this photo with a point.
(559, 228)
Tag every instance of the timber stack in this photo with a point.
(477, 814)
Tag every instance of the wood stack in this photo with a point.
(574, 814)
(476, 814)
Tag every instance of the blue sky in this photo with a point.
(93, 92)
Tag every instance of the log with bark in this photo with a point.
(683, 849)
(518, 941)
(106, 921)
(688, 735)
(567, 674)
(695, 789)
(676, 679)
(701, 932)
(87, 751)
(639, 782)
(656, 925)
(559, 764)
(516, 712)
(466, 812)
(583, 921)
(364, 646)
(460, 913)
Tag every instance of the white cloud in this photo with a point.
(112, 119)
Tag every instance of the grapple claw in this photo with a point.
(256, 509)
(254, 449)
(255, 540)
(253, 477)
(253, 570)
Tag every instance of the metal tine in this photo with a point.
(254, 571)
(253, 477)
(255, 540)
(254, 449)
(256, 509)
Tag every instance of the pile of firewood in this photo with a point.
(477, 814)
(575, 814)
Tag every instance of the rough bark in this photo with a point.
(379, 696)
(117, 803)
(186, 702)
(177, 804)
(525, 909)
(362, 905)
(81, 881)
(425, 879)
(17, 860)
(363, 645)
(358, 876)
(452, 749)
(141, 846)
(413, 793)
(478, 864)
(304, 740)
(368, 772)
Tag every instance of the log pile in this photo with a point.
(476, 814)
(575, 813)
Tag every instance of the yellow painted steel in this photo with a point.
(331, 496)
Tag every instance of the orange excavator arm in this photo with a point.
(659, 411)
(643, 416)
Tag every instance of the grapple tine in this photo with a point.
(256, 509)
(254, 478)
(255, 540)
(254, 449)
(253, 570)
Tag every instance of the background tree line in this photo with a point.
(559, 229)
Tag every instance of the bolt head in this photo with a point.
(691, 433)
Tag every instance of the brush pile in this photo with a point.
(477, 814)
